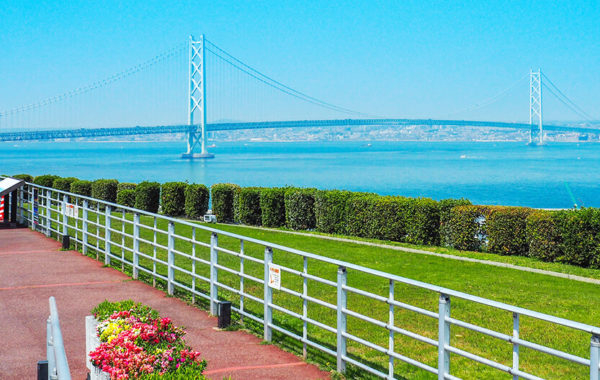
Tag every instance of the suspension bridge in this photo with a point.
(177, 102)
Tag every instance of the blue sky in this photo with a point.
(389, 58)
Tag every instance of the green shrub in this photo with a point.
(388, 218)
(126, 197)
(106, 308)
(445, 206)
(300, 208)
(223, 195)
(105, 189)
(580, 235)
(182, 373)
(422, 221)
(63, 184)
(147, 196)
(196, 201)
(173, 198)
(506, 230)
(359, 212)
(81, 187)
(466, 227)
(543, 236)
(126, 186)
(45, 180)
(24, 177)
(330, 211)
(272, 207)
(248, 206)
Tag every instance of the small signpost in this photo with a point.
(71, 210)
(274, 276)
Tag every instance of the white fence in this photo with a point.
(188, 257)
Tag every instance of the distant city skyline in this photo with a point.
(394, 59)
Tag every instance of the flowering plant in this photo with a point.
(135, 344)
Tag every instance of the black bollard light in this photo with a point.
(224, 313)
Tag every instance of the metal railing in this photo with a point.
(188, 257)
(58, 367)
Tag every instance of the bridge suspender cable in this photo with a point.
(565, 100)
(233, 61)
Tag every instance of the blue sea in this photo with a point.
(507, 173)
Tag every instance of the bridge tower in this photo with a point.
(197, 100)
(535, 108)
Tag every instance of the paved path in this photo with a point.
(32, 268)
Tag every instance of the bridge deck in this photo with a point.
(32, 268)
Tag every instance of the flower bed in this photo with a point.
(136, 343)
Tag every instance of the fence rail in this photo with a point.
(58, 366)
(208, 263)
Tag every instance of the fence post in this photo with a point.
(595, 357)
(268, 296)
(84, 227)
(171, 258)
(515, 345)
(341, 318)
(20, 202)
(47, 213)
(443, 337)
(32, 193)
(214, 274)
(65, 218)
(136, 245)
(106, 234)
(391, 332)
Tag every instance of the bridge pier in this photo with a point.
(196, 137)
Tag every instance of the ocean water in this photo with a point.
(485, 172)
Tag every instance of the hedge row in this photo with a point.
(568, 236)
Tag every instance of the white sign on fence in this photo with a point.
(275, 276)
(71, 210)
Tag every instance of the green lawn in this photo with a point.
(560, 297)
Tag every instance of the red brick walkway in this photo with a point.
(32, 269)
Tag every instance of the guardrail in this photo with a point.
(56, 366)
(189, 257)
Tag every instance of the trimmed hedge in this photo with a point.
(580, 233)
(300, 208)
(465, 228)
(147, 196)
(46, 180)
(506, 230)
(105, 189)
(446, 206)
(359, 211)
(272, 206)
(223, 195)
(24, 177)
(248, 206)
(64, 184)
(330, 211)
(81, 187)
(422, 221)
(173, 198)
(126, 197)
(543, 235)
(388, 218)
(126, 186)
(196, 201)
